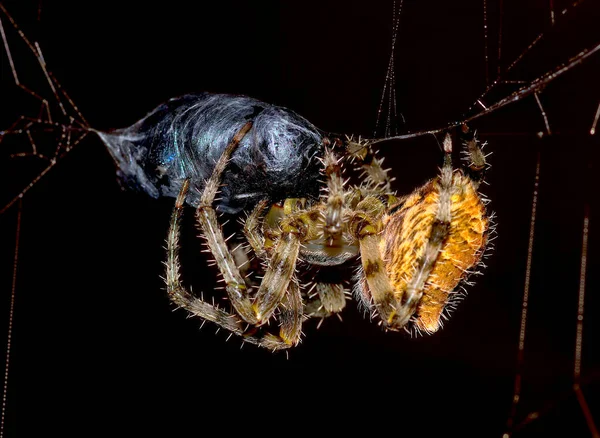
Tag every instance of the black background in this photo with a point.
(96, 348)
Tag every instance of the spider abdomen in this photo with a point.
(408, 231)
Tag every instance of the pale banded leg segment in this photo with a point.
(325, 299)
(281, 265)
(280, 270)
(279, 273)
(476, 163)
(206, 216)
(395, 308)
(376, 181)
(291, 315)
(335, 196)
(439, 232)
(253, 231)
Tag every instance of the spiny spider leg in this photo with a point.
(325, 300)
(207, 218)
(292, 315)
(291, 306)
(475, 157)
(395, 310)
(335, 196)
(377, 181)
(280, 269)
(439, 231)
(281, 265)
(253, 231)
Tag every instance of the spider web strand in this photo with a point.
(520, 94)
(525, 303)
(500, 26)
(486, 44)
(544, 116)
(11, 313)
(596, 117)
(579, 332)
(499, 80)
(389, 84)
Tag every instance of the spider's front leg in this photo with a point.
(274, 285)
(275, 290)
(291, 315)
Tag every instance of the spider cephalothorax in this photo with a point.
(414, 251)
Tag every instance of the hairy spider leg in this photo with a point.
(290, 315)
(291, 306)
(332, 228)
(253, 230)
(474, 156)
(376, 179)
(280, 268)
(396, 307)
(281, 265)
(427, 246)
(207, 218)
(325, 299)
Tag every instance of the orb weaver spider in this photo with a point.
(414, 250)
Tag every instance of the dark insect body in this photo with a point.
(185, 137)
(233, 153)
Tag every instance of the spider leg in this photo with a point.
(325, 300)
(291, 315)
(291, 306)
(207, 218)
(335, 196)
(439, 231)
(281, 265)
(279, 272)
(376, 180)
(476, 164)
(396, 307)
(253, 231)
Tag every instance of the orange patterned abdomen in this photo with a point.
(408, 230)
